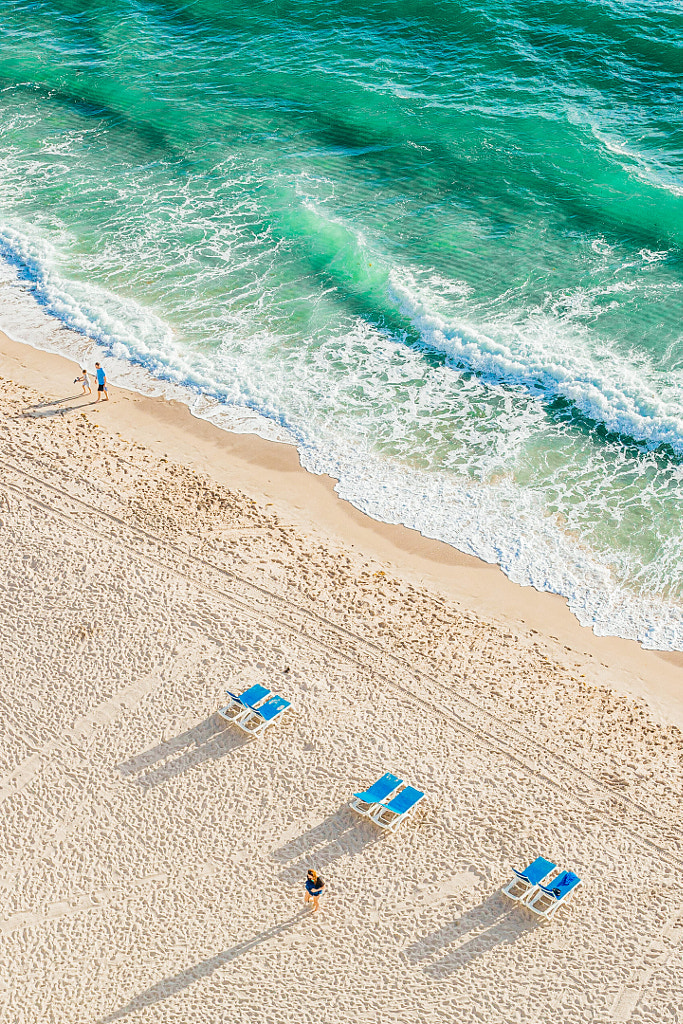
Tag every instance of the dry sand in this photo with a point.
(153, 858)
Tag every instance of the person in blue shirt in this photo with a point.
(314, 888)
(101, 383)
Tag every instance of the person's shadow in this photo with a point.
(208, 741)
(172, 986)
(491, 924)
(43, 410)
(56, 401)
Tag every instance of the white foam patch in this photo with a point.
(628, 398)
(507, 525)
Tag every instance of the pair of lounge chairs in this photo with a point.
(254, 710)
(386, 803)
(528, 888)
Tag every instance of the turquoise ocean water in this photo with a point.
(438, 245)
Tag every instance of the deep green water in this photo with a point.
(436, 244)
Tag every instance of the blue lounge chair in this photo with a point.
(378, 793)
(525, 883)
(244, 702)
(550, 898)
(256, 720)
(400, 807)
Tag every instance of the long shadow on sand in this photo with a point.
(493, 923)
(341, 834)
(172, 986)
(48, 409)
(211, 740)
(56, 401)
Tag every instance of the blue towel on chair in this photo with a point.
(560, 886)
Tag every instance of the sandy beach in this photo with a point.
(154, 857)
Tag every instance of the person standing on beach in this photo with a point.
(314, 888)
(84, 380)
(101, 383)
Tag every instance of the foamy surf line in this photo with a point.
(502, 525)
(629, 405)
(45, 317)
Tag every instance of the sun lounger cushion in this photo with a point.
(251, 696)
(272, 707)
(379, 790)
(536, 871)
(404, 800)
(563, 884)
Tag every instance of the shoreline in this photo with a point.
(145, 833)
(270, 472)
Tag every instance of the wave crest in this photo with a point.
(627, 398)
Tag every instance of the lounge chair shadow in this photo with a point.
(172, 986)
(208, 741)
(339, 835)
(481, 929)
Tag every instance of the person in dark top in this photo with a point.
(314, 888)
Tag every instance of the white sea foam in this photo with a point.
(630, 400)
(501, 522)
(134, 344)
